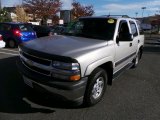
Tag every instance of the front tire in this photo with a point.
(96, 87)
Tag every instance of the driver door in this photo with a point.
(123, 46)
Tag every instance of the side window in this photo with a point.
(5, 27)
(123, 28)
(123, 31)
(133, 28)
(1, 27)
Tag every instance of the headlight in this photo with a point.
(70, 71)
(65, 66)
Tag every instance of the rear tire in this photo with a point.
(136, 60)
(12, 44)
(96, 87)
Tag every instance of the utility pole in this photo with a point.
(136, 14)
(0, 4)
(143, 8)
(158, 11)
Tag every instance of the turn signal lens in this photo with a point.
(75, 78)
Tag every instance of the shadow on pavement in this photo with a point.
(152, 36)
(152, 49)
(12, 90)
(153, 43)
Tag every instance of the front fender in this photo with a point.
(96, 64)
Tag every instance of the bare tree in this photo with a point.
(21, 14)
(79, 10)
(42, 9)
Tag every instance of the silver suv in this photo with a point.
(79, 65)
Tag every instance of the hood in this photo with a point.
(65, 45)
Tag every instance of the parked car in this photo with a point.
(146, 27)
(16, 33)
(2, 43)
(42, 31)
(79, 66)
(58, 29)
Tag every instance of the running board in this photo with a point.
(117, 74)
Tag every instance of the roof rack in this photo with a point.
(123, 16)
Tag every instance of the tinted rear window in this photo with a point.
(25, 27)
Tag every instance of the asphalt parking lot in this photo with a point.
(8, 52)
(135, 95)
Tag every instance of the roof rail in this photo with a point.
(123, 16)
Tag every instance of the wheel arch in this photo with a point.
(11, 38)
(141, 51)
(107, 66)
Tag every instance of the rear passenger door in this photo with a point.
(134, 32)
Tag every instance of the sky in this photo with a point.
(113, 7)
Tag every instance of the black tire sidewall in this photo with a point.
(88, 99)
(9, 45)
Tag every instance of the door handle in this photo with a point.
(130, 44)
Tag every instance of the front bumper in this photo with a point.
(67, 90)
(2, 44)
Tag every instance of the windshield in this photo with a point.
(96, 28)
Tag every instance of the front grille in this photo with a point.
(36, 69)
(36, 64)
(37, 59)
